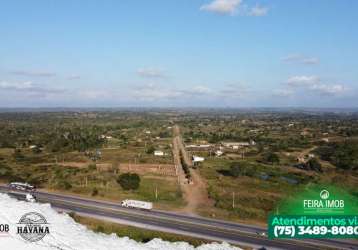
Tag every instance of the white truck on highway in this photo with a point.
(137, 204)
(30, 198)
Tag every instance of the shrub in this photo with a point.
(271, 158)
(129, 181)
(150, 150)
(92, 167)
(313, 164)
(239, 169)
(94, 192)
(63, 184)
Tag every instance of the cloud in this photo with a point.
(33, 73)
(324, 89)
(283, 93)
(310, 60)
(258, 10)
(232, 91)
(18, 86)
(301, 59)
(151, 92)
(222, 6)
(151, 73)
(302, 80)
(73, 77)
(197, 91)
(314, 84)
(232, 7)
(95, 94)
(29, 88)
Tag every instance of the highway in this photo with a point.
(216, 230)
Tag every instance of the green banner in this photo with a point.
(312, 226)
(316, 212)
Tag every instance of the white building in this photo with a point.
(158, 153)
(198, 159)
(236, 145)
(106, 137)
(219, 153)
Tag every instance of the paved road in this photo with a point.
(186, 225)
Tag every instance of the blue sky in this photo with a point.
(217, 53)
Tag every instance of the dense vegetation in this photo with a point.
(343, 155)
(129, 181)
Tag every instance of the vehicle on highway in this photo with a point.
(137, 204)
(261, 234)
(30, 198)
(21, 186)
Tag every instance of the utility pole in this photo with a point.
(156, 192)
(233, 200)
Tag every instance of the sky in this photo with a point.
(187, 53)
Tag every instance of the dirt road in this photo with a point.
(195, 193)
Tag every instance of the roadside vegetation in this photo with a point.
(137, 234)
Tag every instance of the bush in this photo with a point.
(94, 192)
(150, 150)
(92, 167)
(129, 181)
(72, 214)
(313, 164)
(271, 158)
(63, 184)
(99, 229)
(239, 169)
(343, 155)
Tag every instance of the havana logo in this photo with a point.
(33, 227)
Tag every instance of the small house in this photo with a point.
(158, 153)
(219, 153)
(198, 159)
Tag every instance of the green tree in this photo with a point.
(150, 149)
(94, 192)
(242, 169)
(271, 158)
(129, 181)
(314, 165)
(63, 184)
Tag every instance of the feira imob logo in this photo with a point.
(323, 202)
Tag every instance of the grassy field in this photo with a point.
(163, 191)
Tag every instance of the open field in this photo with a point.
(252, 161)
